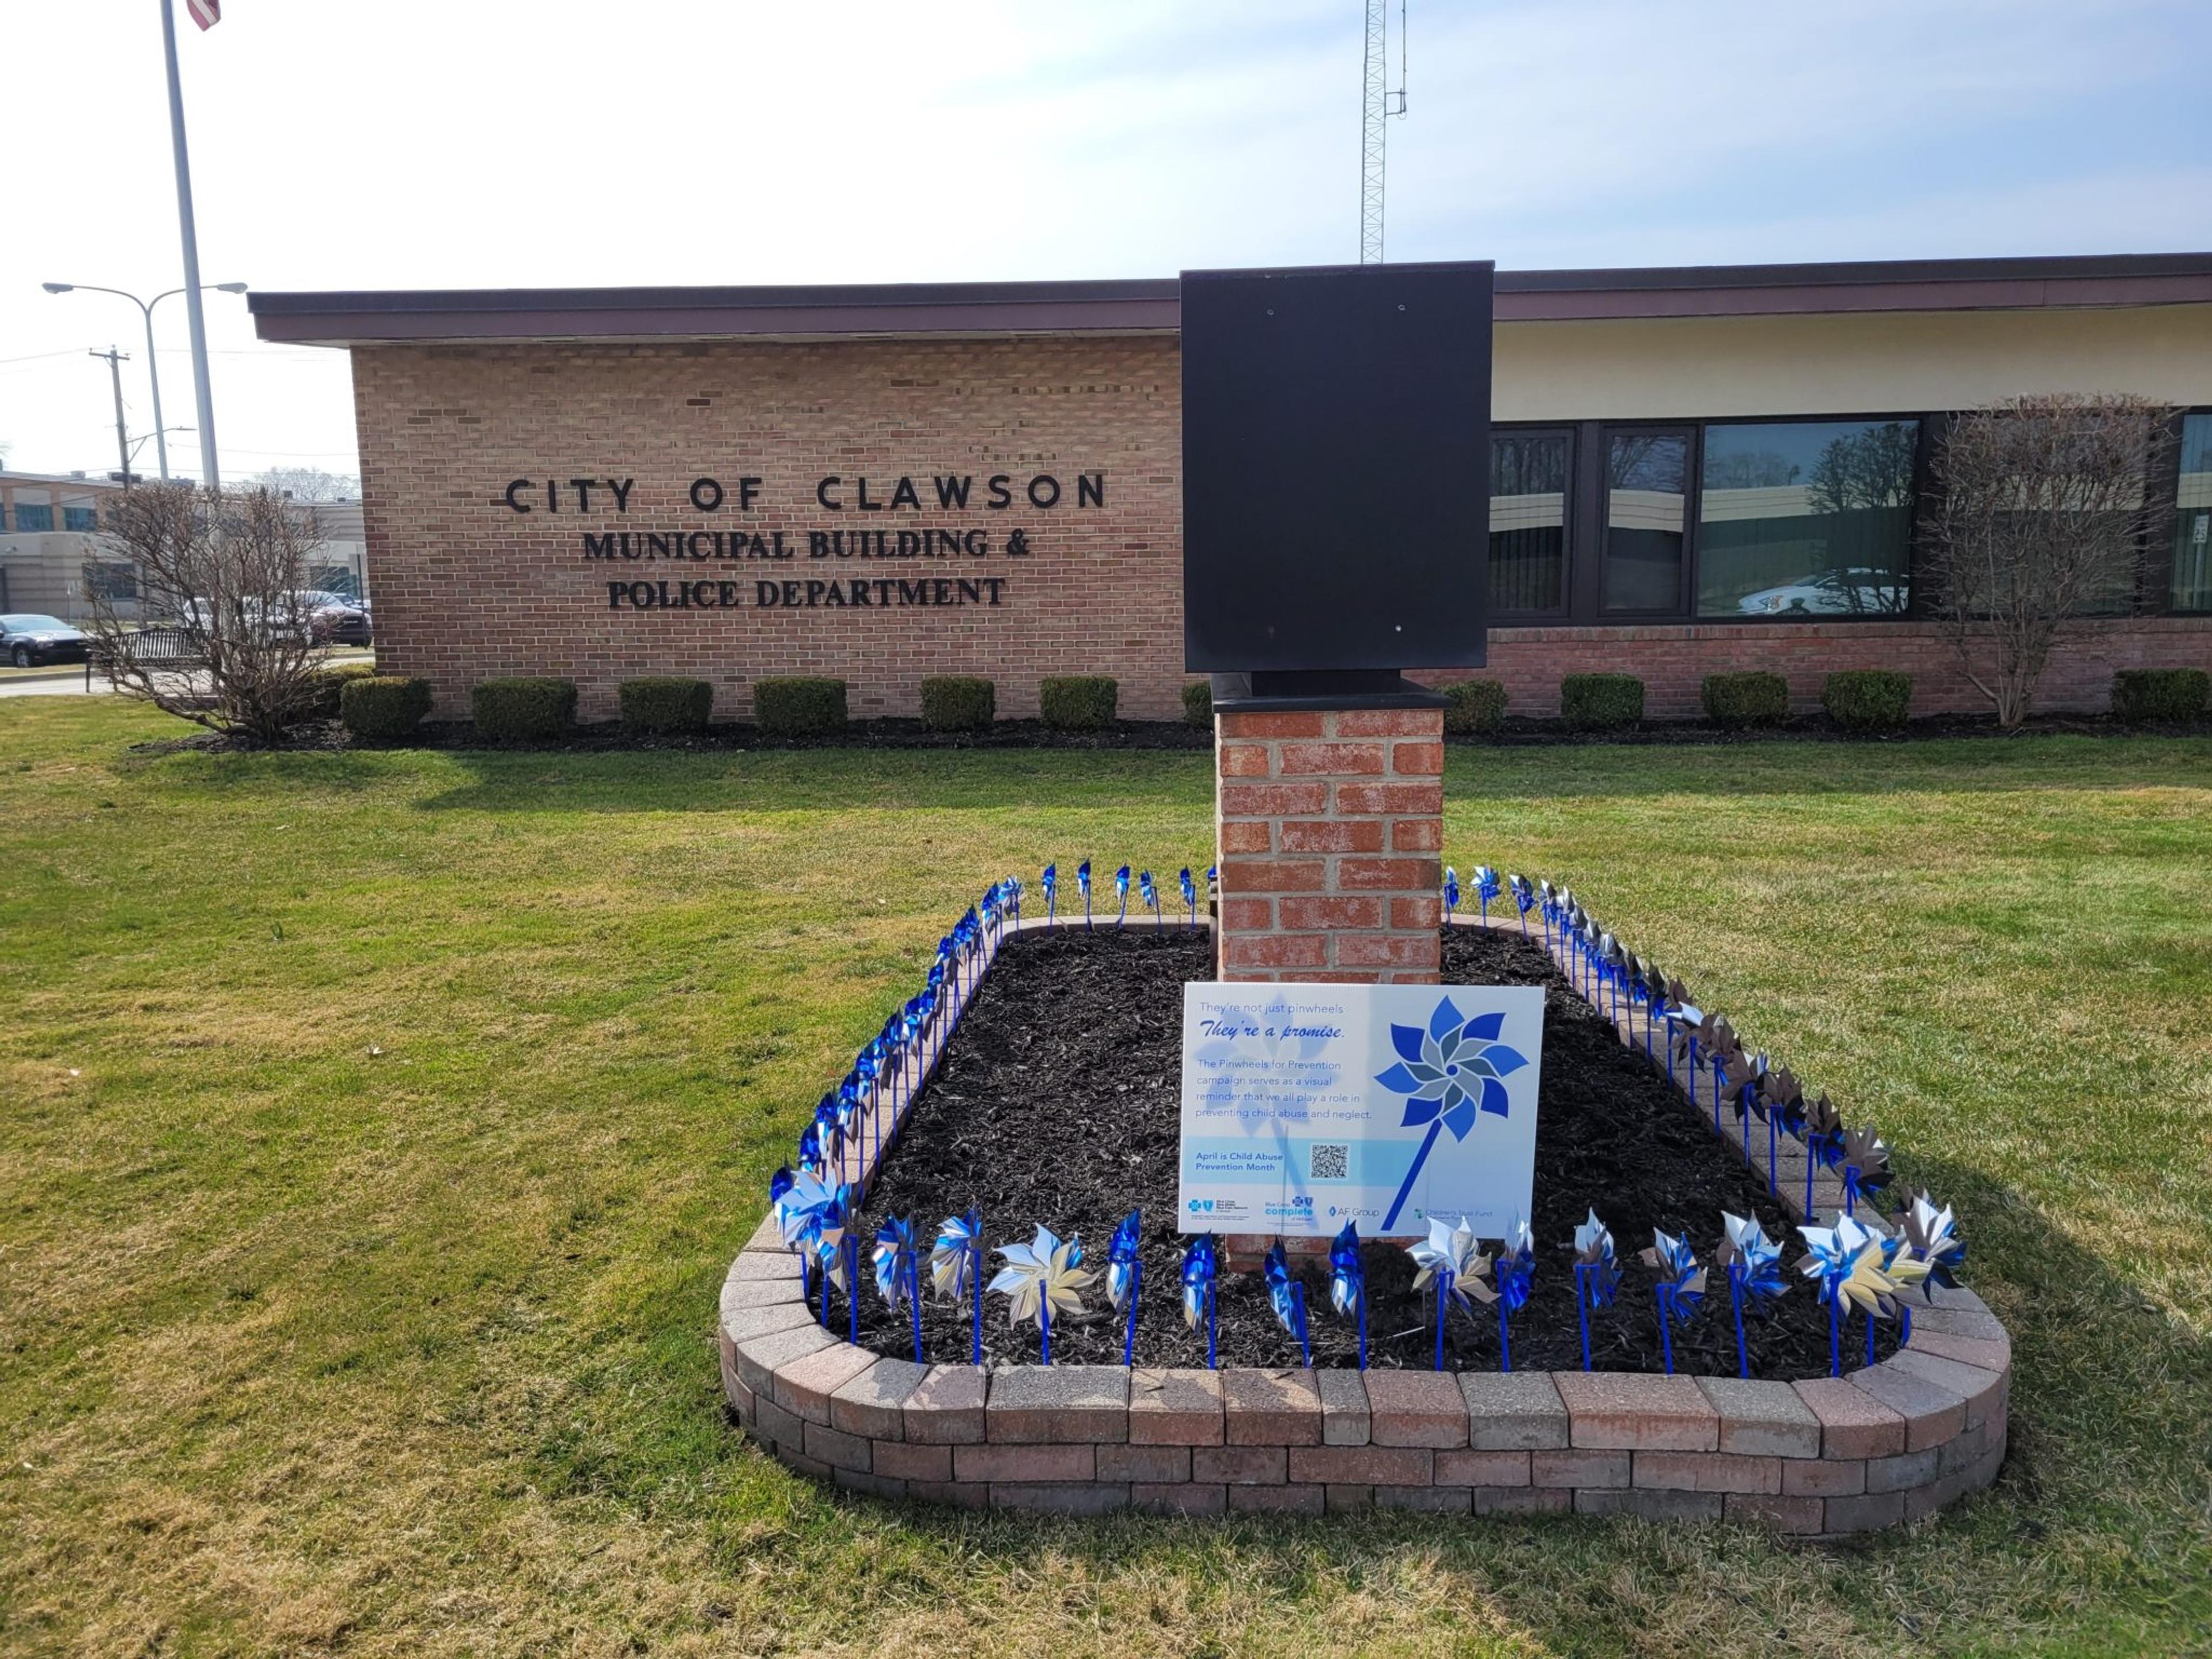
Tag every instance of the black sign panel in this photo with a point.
(1336, 478)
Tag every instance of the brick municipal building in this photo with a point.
(1691, 470)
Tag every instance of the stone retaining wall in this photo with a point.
(1878, 1445)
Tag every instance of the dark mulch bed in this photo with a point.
(1526, 733)
(598, 737)
(1057, 1102)
(602, 737)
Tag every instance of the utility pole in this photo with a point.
(210, 473)
(115, 360)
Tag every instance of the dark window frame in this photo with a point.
(1585, 527)
(2156, 598)
(1564, 612)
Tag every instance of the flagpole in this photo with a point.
(202, 396)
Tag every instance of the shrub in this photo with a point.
(1078, 703)
(1601, 702)
(959, 702)
(799, 708)
(665, 704)
(1475, 706)
(324, 686)
(384, 707)
(1754, 697)
(1198, 703)
(2160, 694)
(1868, 699)
(518, 710)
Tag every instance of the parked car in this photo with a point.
(1831, 593)
(324, 617)
(26, 640)
(334, 619)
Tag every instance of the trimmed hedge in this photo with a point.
(798, 707)
(2160, 694)
(1753, 697)
(1078, 703)
(665, 704)
(959, 702)
(384, 707)
(1868, 699)
(1198, 704)
(1601, 702)
(520, 709)
(1475, 706)
(326, 685)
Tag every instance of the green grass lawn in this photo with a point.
(376, 1128)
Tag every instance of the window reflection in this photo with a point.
(2192, 534)
(1806, 518)
(1647, 476)
(1530, 480)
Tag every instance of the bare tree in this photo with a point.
(2041, 516)
(227, 570)
(308, 483)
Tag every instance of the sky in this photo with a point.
(466, 143)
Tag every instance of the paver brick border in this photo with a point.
(1819, 1458)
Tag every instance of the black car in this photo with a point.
(27, 641)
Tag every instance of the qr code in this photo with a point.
(1327, 1161)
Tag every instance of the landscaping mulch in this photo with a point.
(1057, 1101)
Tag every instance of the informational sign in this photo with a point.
(1308, 1106)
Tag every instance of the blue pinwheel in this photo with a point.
(1198, 1277)
(1347, 1282)
(1448, 1073)
(1288, 1297)
(891, 1258)
(1189, 894)
(1083, 881)
(1486, 888)
(1121, 892)
(1524, 898)
(1451, 892)
(1149, 894)
(1051, 883)
(1124, 1276)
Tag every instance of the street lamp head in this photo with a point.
(58, 288)
(230, 288)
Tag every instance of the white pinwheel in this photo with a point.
(1454, 1250)
(1044, 1273)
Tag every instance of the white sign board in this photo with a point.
(1308, 1106)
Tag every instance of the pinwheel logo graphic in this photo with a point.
(1448, 1073)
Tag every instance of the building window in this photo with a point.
(80, 518)
(1647, 475)
(2192, 535)
(109, 579)
(1531, 478)
(1806, 519)
(30, 517)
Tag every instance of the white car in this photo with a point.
(1838, 594)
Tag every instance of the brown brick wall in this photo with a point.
(1329, 824)
(465, 588)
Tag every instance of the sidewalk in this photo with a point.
(68, 679)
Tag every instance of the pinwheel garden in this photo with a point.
(1020, 1124)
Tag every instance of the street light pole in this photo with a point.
(210, 473)
(152, 369)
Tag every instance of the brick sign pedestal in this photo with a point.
(1330, 828)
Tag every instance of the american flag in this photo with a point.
(206, 13)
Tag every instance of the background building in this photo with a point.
(1691, 470)
(51, 556)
